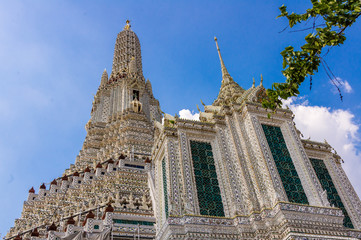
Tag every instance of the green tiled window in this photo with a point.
(287, 171)
(208, 192)
(165, 191)
(134, 222)
(327, 184)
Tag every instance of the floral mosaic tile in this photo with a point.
(327, 184)
(208, 192)
(286, 169)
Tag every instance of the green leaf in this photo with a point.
(337, 15)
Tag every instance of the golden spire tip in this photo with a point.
(127, 26)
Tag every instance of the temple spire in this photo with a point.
(225, 74)
(127, 46)
(104, 78)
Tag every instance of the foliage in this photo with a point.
(330, 19)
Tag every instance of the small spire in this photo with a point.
(52, 227)
(261, 84)
(104, 78)
(127, 26)
(109, 208)
(32, 190)
(90, 215)
(70, 220)
(34, 233)
(224, 69)
(64, 178)
(254, 83)
(148, 85)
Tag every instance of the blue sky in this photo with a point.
(52, 55)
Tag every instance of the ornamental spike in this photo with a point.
(225, 73)
(104, 78)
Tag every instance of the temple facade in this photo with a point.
(237, 173)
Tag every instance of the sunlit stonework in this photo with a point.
(234, 174)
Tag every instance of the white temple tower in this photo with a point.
(238, 174)
(234, 174)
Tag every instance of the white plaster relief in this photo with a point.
(174, 174)
(188, 184)
(245, 158)
(347, 193)
(302, 171)
(314, 184)
(269, 194)
(234, 178)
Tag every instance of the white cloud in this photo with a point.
(339, 129)
(347, 87)
(343, 85)
(187, 114)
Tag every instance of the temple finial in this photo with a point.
(224, 69)
(254, 83)
(127, 26)
(261, 84)
(104, 78)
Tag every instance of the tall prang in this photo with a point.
(106, 191)
(123, 108)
